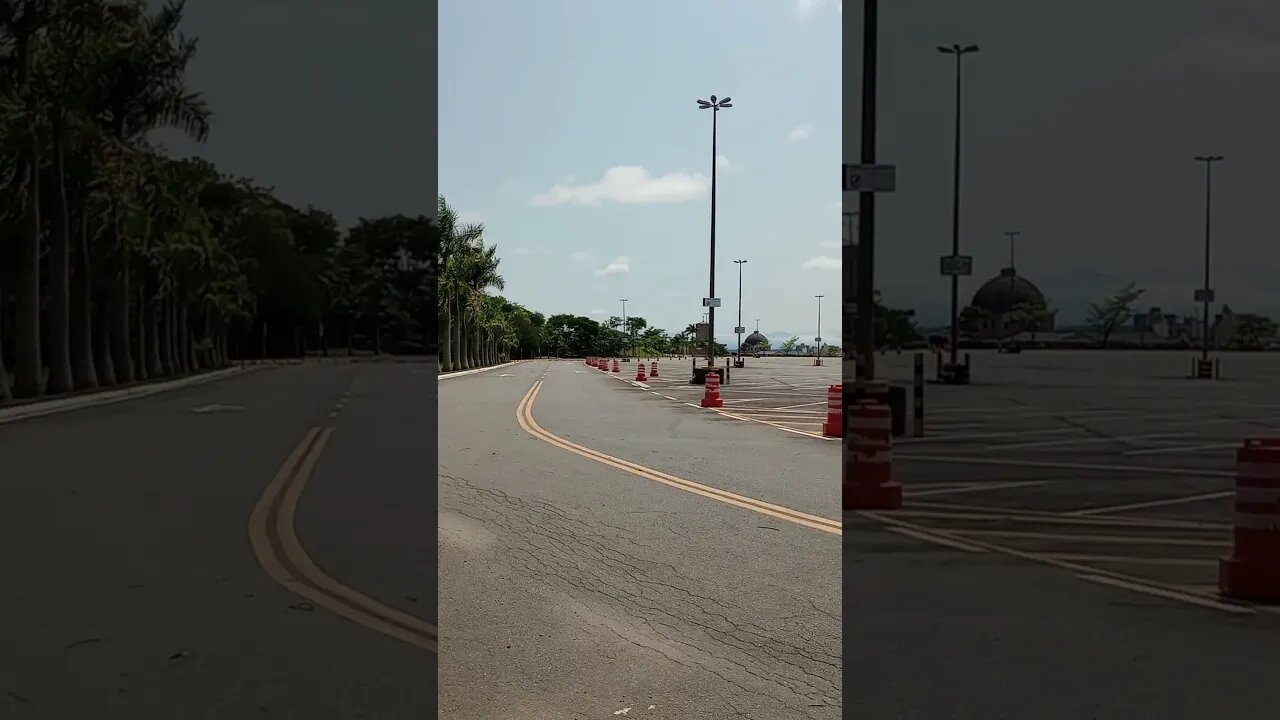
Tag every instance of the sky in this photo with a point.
(569, 128)
(1080, 124)
(322, 99)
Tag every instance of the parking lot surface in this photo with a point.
(1113, 466)
(786, 393)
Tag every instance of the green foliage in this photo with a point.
(1106, 316)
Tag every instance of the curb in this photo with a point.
(473, 371)
(53, 406)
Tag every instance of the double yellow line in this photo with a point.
(280, 552)
(524, 416)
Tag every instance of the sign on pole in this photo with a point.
(956, 265)
(817, 339)
(739, 330)
(870, 178)
(710, 302)
(701, 332)
(1204, 295)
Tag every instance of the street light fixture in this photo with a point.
(624, 317)
(738, 329)
(1207, 294)
(715, 106)
(958, 52)
(817, 355)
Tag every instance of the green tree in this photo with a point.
(1106, 316)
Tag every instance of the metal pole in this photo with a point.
(740, 263)
(711, 311)
(1208, 184)
(864, 323)
(624, 315)
(917, 408)
(817, 355)
(955, 224)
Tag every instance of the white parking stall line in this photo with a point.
(1086, 441)
(791, 407)
(1175, 449)
(986, 435)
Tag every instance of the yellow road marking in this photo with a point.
(1084, 572)
(524, 416)
(280, 553)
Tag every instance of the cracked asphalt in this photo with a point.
(130, 588)
(571, 589)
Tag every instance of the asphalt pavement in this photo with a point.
(1056, 553)
(133, 586)
(594, 564)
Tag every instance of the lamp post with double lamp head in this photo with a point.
(1208, 161)
(959, 52)
(715, 106)
(817, 354)
(624, 318)
(738, 329)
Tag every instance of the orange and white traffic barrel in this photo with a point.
(711, 398)
(1253, 570)
(834, 426)
(868, 482)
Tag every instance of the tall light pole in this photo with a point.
(959, 53)
(1013, 237)
(624, 316)
(739, 263)
(715, 106)
(863, 256)
(817, 355)
(1208, 161)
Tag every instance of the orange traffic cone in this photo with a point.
(640, 371)
(616, 367)
(712, 397)
(834, 426)
(654, 371)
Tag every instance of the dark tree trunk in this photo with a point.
(140, 320)
(29, 370)
(83, 369)
(5, 395)
(168, 359)
(150, 311)
(121, 320)
(59, 320)
(102, 341)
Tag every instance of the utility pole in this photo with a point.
(959, 52)
(1207, 294)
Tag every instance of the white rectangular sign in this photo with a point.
(710, 302)
(870, 178)
(956, 265)
(739, 330)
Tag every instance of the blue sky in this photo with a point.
(569, 128)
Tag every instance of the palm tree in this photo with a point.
(455, 239)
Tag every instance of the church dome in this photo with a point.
(1003, 293)
(756, 338)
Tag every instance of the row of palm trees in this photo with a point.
(119, 264)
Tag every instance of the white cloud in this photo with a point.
(617, 266)
(1228, 51)
(806, 7)
(822, 262)
(470, 217)
(628, 185)
(601, 312)
(828, 244)
(803, 131)
(725, 165)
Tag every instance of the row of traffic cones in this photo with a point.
(603, 364)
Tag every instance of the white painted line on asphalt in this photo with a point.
(976, 487)
(1095, 539)
(1168, 594)
(927, 537)
(1183, 449)
(1135, 560)
(1155, 503)
(985, 435)
(1048, 465)
(473, 371)
(670, 398)
(1086, 441)
(792, 407)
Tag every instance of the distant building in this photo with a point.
(754, 343)
(1001, 297)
